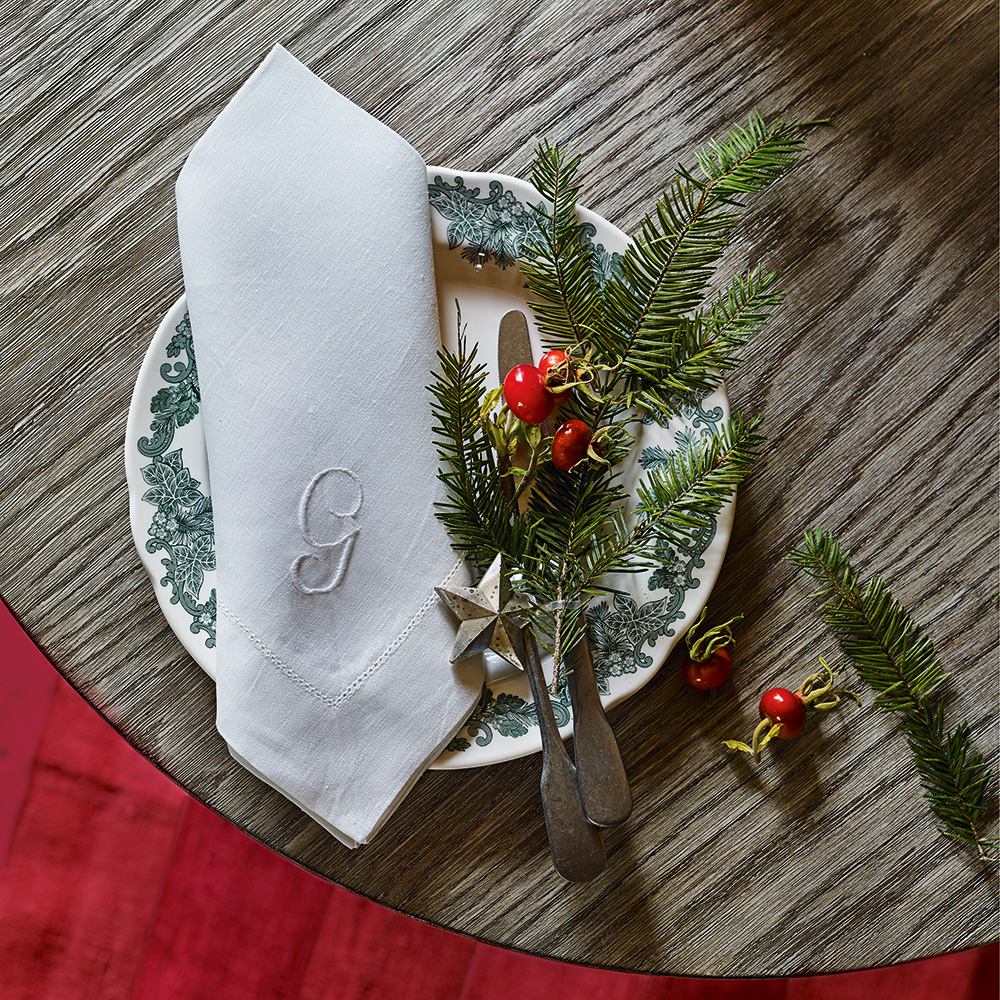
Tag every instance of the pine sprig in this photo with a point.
(683, 494)
(577, 524)
(896, 658)
(666, 269)
(583, 537)
(560, 270)
(705, 344)
(647, 324)
(644, 337)
(749, 158)
(476, 513)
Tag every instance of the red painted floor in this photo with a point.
(115, 885)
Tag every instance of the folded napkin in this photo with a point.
(305, 240)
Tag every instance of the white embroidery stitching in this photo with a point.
(368, 671)
(343, 547)
(283, 667)
(398, 641)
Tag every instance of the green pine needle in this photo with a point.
(705, 344)
(581, 534)
(680, 496)
(648, 322)
(560, 270)
(897, 659)
(667, 269)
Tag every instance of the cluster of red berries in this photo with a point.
(531, 393)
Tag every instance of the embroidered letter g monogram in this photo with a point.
(339, 492)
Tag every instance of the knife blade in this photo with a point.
(514, 344)
(513, 349)
(600, 771)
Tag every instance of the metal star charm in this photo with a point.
(487, 616)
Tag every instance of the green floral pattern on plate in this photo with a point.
(491, 227)
(182, 526)
(497, 227)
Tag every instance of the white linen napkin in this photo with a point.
(305, 240)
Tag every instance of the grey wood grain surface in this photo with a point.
(877, 384)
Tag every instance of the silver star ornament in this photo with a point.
(488, 616)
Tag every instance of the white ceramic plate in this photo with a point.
(478, 224)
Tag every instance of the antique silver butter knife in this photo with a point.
(600, 772)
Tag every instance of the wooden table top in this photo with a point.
(876, 382)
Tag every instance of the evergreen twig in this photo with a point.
(475, 512)
(896, 658)
(646, 322)
(650, 340)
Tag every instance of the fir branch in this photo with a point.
(559, 271)
(667, 268)
(705, 345)
(582, 536)
(896, 658)
(476, 513)
(575, 521)
(647, 325)
(749, 158)
(685, 493)
(643, 337)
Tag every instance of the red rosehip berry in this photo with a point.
(710, 673)
(555, 368)
(783, 707)
(525, 393)
(569, 444)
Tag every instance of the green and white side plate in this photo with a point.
(479, 222)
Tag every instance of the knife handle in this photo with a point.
(600, 771)
(576, 845)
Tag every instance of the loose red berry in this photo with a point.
(569, 444)
(711, 673)
(782, 706)
(783, 712)
(526, 395)
(555, 368)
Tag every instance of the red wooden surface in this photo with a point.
(116, 885)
